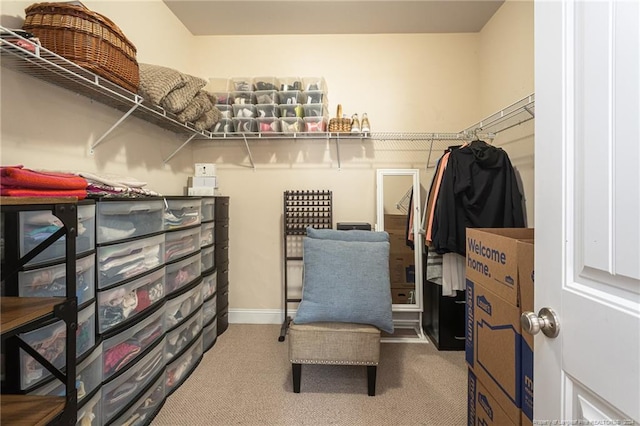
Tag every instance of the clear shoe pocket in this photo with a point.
(245, 125)
(223, 126)
(268, 125)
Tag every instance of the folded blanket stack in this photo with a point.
(17, 181)
(110, 185)
(179, 93)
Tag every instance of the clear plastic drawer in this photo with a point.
(179, 369)
(209, 335)
(207, 258)
(51, 281)
(208, 208)
(182, 336)
(123, 261)
(86, 332)
(182, 212)
(119, 220)
(90, 413)
(145, 407)
(127, 386)
(50, 341)
(207, 234)
(182, 243)
(121, 349)
(129, 300)
(181, 273)
(180, 307)
(88, 378)
(209, 285)
(37, 226)
(209, 309)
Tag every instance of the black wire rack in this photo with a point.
(302, 209)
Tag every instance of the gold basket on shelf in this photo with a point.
(340, 124)
(86, 38)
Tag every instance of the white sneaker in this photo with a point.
(355, 124)
(366, 128)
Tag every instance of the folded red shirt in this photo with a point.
(19, 177)
(20, 192)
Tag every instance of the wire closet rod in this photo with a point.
(526, 104)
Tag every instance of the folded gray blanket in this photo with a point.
(169, 88)
(208, 119)
(157, 81)
(200, 104)
(179, 98)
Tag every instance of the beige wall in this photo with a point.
(46, 127)
(506, 72)
(406, 83)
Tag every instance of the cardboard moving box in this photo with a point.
(492, 259)
(402, 270)
(499, 287)
(526, 279)
(482, 408)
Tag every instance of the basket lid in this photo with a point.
(76, 8)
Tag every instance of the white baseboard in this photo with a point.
(258, 316)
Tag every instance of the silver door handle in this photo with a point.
(546, 320)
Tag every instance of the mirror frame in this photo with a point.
(417, 231)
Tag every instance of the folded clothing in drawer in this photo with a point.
(179, 370)
(90, 411)
(180, 307)
(207, 259)
(181, 273)
(209, 285)
(181, 212)
(37, 226)
(122, 261)
(207, 207)
(209, 309)
(50, 342)
(88, 378)
(129, 300)
(124, 347)
(126, 387)
(182, 243)
(182, 336)
(207, 234)
(145, 407)
(51, 280)
(118, 220)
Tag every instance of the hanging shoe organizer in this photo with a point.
(301, 210)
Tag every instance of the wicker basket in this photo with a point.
(86, 38)
(340, 125)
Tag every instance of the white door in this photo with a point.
(587, 211)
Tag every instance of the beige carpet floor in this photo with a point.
(245, 379)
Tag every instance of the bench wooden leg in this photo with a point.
(296, 370)
(371, 379)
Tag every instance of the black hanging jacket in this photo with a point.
(478, 190)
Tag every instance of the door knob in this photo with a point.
(546, 320)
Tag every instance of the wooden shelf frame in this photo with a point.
(18, 314)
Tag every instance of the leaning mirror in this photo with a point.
(398, 213)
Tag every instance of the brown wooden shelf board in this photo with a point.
(21, 201)
(17, 311)
(29, 409)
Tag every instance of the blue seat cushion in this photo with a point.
(350, 235)
(346, 281)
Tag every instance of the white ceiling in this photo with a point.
(262, 17)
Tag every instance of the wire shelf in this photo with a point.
(47, 66)
(53, 68)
